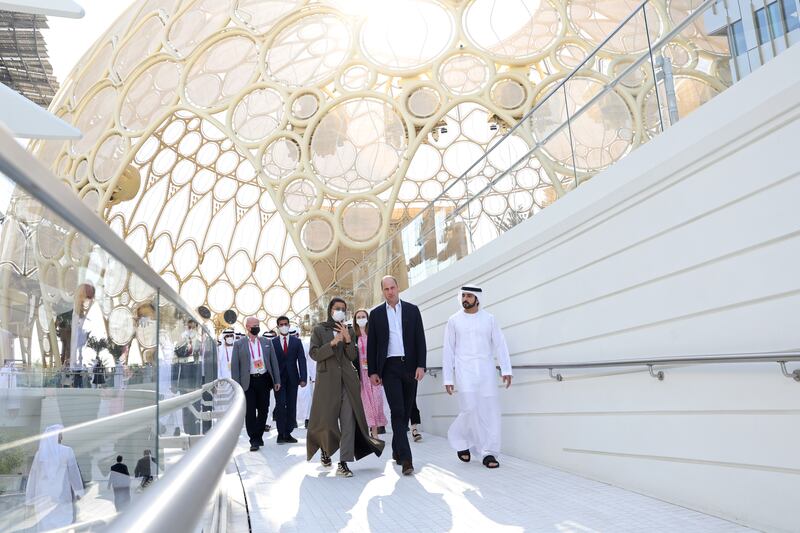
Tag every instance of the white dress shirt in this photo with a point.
(256, 353)
(395, 317)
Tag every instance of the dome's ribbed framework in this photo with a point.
(278, 141)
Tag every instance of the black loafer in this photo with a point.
(289, 439)
(253, 448)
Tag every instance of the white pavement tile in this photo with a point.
(285, 493)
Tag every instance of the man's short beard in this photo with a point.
(466, 305)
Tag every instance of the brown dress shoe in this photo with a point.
(408, 468)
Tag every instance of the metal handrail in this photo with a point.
(30, 174)
(177, 501)
(752, 357)
(122, 423)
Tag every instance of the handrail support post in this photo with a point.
(557, 377)
(794, 374)
(657, 375)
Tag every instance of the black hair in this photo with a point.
(119, 458)
(286, 318)
(333, 301)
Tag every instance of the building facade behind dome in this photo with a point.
(253, 151)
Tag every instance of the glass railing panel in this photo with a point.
(655, 63)
(77, 332)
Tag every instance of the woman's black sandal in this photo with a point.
(464, 456)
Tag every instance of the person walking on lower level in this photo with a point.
(472, 339)
(144, 470)
(396, 354)
(255, 368)
(337, 416)
(119, 479)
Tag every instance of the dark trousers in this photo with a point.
(286, 408)
(400, 388)
(415, 412)
(257, 399)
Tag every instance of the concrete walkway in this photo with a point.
(285, 493)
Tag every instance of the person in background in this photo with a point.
(224, 354)
(292, 364)
(371, 395)
(337, 416)
(305, 395)
(144, 469)
(119, 479)
(98, 373)
(255, 367)
(54, 482)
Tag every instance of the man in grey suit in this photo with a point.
(254, 366)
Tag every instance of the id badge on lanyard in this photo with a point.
(257, 363)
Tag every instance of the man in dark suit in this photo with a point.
(292, 365)
(255, 367)
(396, 354)
(119, 479)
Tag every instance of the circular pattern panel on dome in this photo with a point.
(406, 35)
(258, 114)
(93, 119)
(281, 157)
(309, 50)
(120, 326)
(153, 90)
(305, 105)
(317, 235)
(262, 15)
(221, 70)
(508, 93)
(358, 144)
(200, 20)
(514, 30)
(464, 74)
(361, 220)
(299, 196)
(423, 102)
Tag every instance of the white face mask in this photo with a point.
(338, 315)
(361, 322)
(229, 340)
(284, 330)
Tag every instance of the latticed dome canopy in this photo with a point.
(277, 141)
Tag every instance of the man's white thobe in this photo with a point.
(224, 354)
(305, 394)
(471, 343)
(53, 479)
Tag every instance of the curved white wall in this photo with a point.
(691, 245)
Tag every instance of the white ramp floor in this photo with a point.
(285, 493)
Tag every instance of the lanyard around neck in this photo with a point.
(250, 346)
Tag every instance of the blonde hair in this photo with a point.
(356, 328)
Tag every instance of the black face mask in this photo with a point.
(254, 330)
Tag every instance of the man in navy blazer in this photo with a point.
(292, 364)
(396, 356)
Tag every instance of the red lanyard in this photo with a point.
(361, 345)
(250, 346)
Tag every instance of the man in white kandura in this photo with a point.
(472, 339)
(54, 482)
